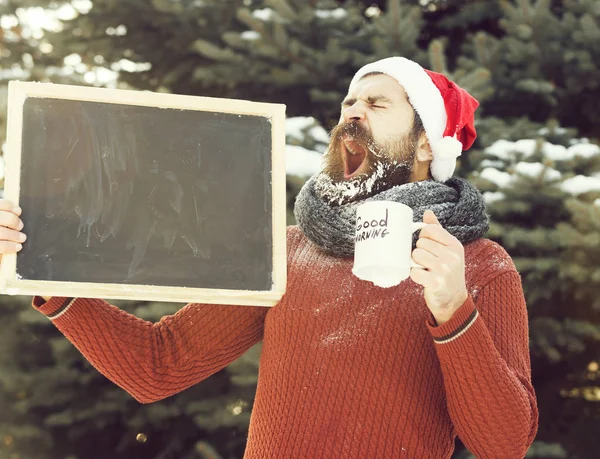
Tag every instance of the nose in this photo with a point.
(354, 112)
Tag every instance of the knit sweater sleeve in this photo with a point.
(152, 361)
(484, 355)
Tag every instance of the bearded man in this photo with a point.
(349, 369)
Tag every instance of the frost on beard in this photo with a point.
(344, 192)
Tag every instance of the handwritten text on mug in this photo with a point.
(371, 229)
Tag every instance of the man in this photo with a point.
(348, 369)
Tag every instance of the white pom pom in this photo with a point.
(447, 148)
(445, 152)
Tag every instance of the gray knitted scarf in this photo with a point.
(458, 205)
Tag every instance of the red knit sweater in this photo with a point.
(348, 369)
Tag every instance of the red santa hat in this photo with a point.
(447, 111)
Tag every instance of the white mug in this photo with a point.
(383, 242)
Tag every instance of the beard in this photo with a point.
(347, 178)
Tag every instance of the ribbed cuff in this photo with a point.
(459, 324)
(54, 308)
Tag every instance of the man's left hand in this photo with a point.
(443, 257)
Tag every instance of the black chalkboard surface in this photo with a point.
(138, 195)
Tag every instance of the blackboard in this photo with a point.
(137, 195)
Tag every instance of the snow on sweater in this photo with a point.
(348, 369)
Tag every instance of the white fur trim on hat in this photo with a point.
(427, 101)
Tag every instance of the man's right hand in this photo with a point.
(11, 237)
(11, 225)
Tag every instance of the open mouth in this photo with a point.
(355, 159)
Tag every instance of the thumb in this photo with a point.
(430, 218)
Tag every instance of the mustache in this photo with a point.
(356, 131)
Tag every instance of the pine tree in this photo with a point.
(544, 62)
(541, 195)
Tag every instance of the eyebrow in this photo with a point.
(370, 100)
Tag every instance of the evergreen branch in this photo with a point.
(245, 16)
(291, 56)
(525, 7)
(394, 15)
(437, 57)
(283, 8)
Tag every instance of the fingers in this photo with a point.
(421, 277)
(9, 247)
(431, 246)
(435, 231)
(10, 226)
(424, 258)
(9, 215)
(8, 206)
(10, 235)
(10, 240)
(430, 218)
(10, 220)
(438, 234)
(441, 257)
(428, 279)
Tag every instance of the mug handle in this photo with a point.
(415, 227)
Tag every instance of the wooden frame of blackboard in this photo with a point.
(12, 284)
